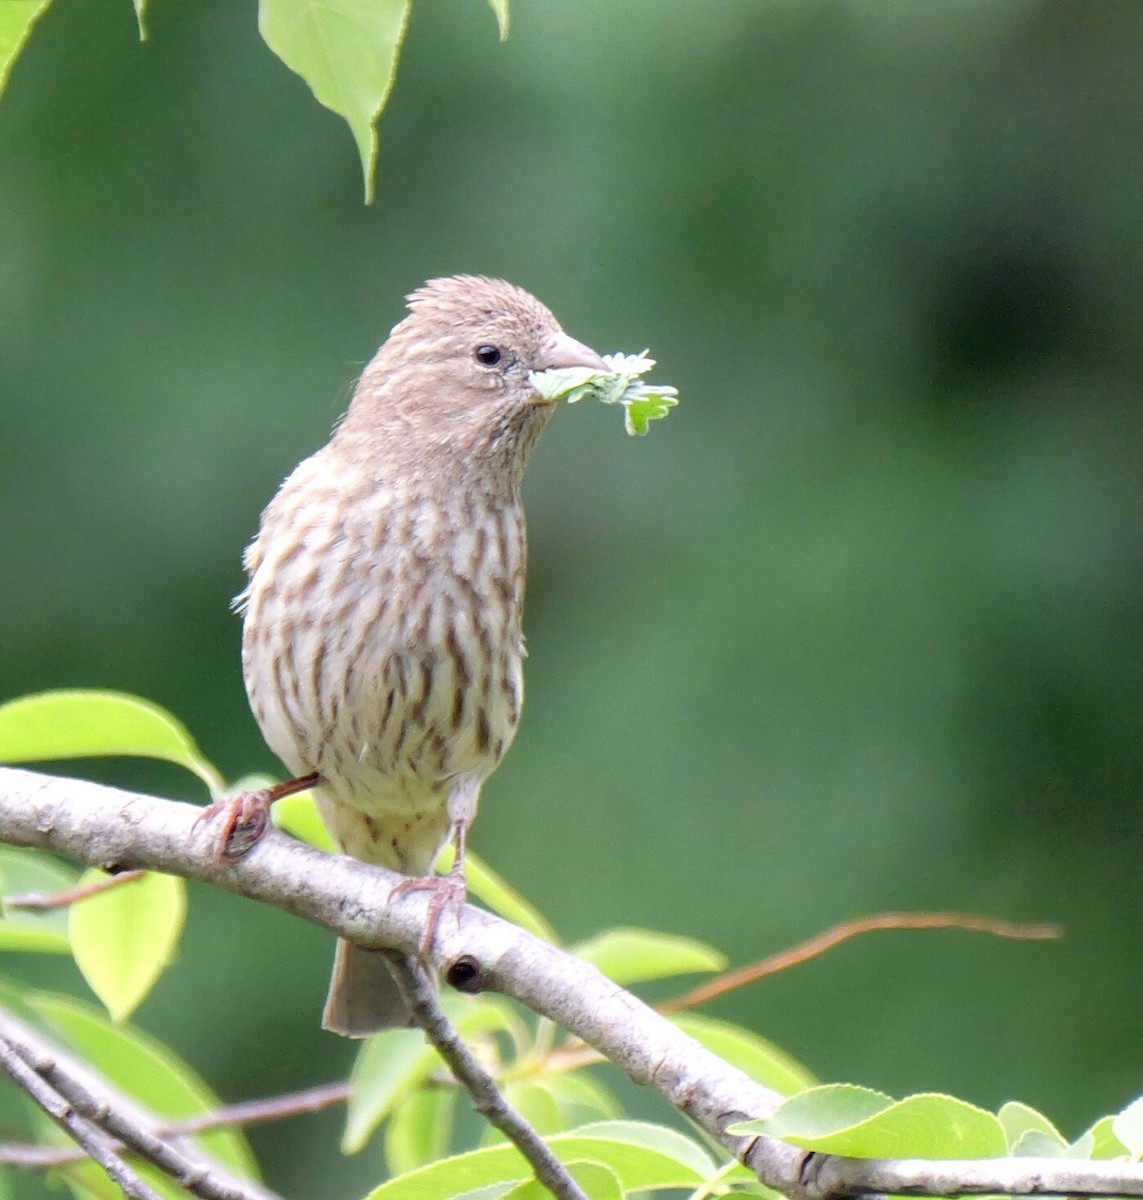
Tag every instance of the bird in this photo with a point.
(383, 643)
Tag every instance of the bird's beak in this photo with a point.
(563, 351)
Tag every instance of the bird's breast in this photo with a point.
(384, 647)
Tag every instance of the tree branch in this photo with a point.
(827, 1176)
(119, 830)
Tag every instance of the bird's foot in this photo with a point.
(447, 896)
(242, 820)
(245, 816)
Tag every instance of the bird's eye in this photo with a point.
(487, 356)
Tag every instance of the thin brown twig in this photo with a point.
(47, 901)
(574, 1054)
(843, 932)
(246, 1112)
(268, 1108)
(35, 1156)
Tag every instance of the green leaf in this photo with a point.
(861, 1123)
(420, 1129)
(486, 885)
(535, 1103)
(641, 1155)
(1099, 1141)
(582, 1098)
(32, 871)
(93, 724)
(141, 18)
(646, 407)
(554, 1104)
(124, 938)
(298, 816)
(15, 995)
(629, 956)
(598, 1181)
(142, 1067)
(347, 51)
(1029, 1132)
(1037, 1144)
(760, 1059)
(452, 1177)
(391, 1065)
(662, 1145)
(1128, 1127)
(16, 20)
(503, 18)
(619, 384)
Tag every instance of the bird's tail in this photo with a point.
(363, 994)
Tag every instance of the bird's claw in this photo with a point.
(247, 814)
(448, 895)
(244, 818)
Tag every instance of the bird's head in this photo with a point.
(453, 378)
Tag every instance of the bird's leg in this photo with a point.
(450, 894)
(245, 815)
(447, 893)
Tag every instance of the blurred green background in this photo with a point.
(857, 628)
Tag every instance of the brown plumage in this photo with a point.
(382, 644)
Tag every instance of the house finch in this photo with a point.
(382, 643)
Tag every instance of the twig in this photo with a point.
(34, 1156)
(269, 1108)
(821, 942)
(94, 1144)
(46, 901)
(420, 994)
(573, 1054)
(115, 829)
(247, 1112)
(96, 1105)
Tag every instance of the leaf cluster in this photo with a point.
(621, 383)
